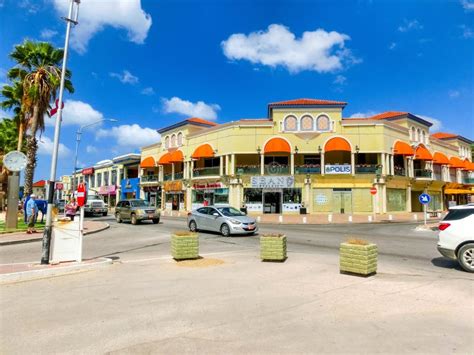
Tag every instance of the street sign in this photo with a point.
(424, 199)
(59, 186)
(81, 194)
(373, 190)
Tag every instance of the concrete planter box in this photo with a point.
(273, 247)
(358, 259)
(185, 246)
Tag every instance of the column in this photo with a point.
(384, 198)
(189, 198)
(412, 167)
(384, 163)
(409, 198)
(392, 165)
(322, 164)
(160, 172)
(172, 171)
(191, 167)
(185, 170)
(232, 172)
(227, 170)
(353, 164)
(262, 164)
(221, 165)
(292, 163)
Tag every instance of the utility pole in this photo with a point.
(70, 20)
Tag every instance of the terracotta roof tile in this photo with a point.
(388, 114)
(308, 102)
(200, 120)
(40, 183)
(444, 135)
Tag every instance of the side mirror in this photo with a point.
(215, 214)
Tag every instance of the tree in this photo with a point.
(13, 95)
(38, 69)
(8, 136)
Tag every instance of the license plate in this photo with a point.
(150, 215)
(251, 227)
(97, 210)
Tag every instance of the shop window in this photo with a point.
(221, 196)
(291, 195)
(167, 142)
(253, 195)
(396, 200)
(291, 124)
(312, 160)
(307, 123)
(322, 123)
(173, 140)
(211, 162)
(180, 139)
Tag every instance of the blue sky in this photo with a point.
(152, 63)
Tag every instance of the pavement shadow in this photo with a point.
(446, 263)
(109, 255)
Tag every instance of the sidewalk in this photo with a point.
(326, 218)
(90, 227)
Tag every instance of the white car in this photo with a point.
(456, 236)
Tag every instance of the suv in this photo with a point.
(456, 236)
(95, 206)
(136, 211)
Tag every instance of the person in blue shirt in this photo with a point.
(31, 211)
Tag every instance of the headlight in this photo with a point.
(234, 221)
(140, 211)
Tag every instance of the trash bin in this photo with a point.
(302, 210)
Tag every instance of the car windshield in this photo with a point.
(230, 211)
(139, 203)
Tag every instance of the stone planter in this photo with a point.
(273, 247)
(360, 259)
(184, 245)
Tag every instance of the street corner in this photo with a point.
(21, 272)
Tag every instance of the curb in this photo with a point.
(30, 275)
(31, 240)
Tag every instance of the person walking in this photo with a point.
(71, 208)
(31, 212)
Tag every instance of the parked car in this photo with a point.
(224, 219)
(95, 206)
(456, 236)
(136, 211)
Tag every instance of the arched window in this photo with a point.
(322, 123)
(173, 140)
(306, 123)
(422, 139)
(291, 124)
(180, 139)
(167, 142)
(418, 135)
(412, 133)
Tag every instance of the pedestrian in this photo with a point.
(71, 208)
(31, 211)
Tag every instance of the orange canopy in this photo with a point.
(337, 144)
(422, 153)
(456, 163)
(165, 159)
(471, 166)
(277, 145)
(176, 157)
(468, 165)
(402, 148)
(148, 162)
(440, 158)
(203, 151)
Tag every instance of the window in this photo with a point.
(230, 211)
(99, 179)
(180, 139)
(106, 178)
(422, 140)
(456, 214)
(253, 195)
(173, 140)
(322, 123)
(418, 135)
(92, 184)
(291, 124)
(412, 133)
(312, 160)
(203, 210)
(114, 177)
(307, 123)
(167, 142)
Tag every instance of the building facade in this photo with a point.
(305, 154)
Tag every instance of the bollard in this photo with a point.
(304, 220)
(280, 219)
(350, 219)
(415, 217)
(329, 218)
(369, 218)
(258, 218)
(390, 217)
(179, 214)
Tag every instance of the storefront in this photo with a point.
(108, 194)
(152, 195)
(211, 193)
(130, 188)
(174, 196)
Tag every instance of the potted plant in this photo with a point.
(357, 256)
(184, 245)
(273, 247)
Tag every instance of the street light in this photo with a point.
(78, 140)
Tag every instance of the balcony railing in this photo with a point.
(276, 169)
(468, 180)
(167, 177)
(247, 170)
(178, 176)
(149, 178)
(423, 173)
(368, 169)
(212, 171)
(399, 171)
(308, 169)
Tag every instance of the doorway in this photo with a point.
(342, 201)
(272, 202)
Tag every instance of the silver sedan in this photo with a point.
(224, 219)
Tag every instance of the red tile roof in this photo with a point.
(389, 114)
(202, 121)
(308, 102)
(444, 135)
(40, 183)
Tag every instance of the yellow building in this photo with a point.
(306, 155)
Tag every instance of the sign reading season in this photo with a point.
(272, 182)
(337, 169)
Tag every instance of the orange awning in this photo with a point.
(277, 145)
(440, 158)
(468, 165)
(456, 163)
(471, 166)
(203, 151)
(337, 144)
(165, 159)
(176, 157)
(402, 148)
(148, 162)
(422, 153)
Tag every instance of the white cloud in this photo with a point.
(91, 149)
(45, 147)
(454, 93)
(392, 46)
(410, 25)
(125, 77)
(340, 80)
(366, 114)
(95, 15)
(31, 6)
(148, 91)
(188, 108)
(467, 5)
(437, 124)
(77, 113)
(132, 136)
(317, 50)
(467, 32)
(47, 33)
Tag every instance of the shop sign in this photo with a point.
(272, 182)
(107, 190)
(337, 169)
(172, 186)
(321, 199)
(88, 171)
(208, 186)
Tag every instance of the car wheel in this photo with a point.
(117, 218)
(466, 257)
(134, 219)
(156, 220)
(225, 230)
(193, 226)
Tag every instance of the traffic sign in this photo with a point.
(59, 186)
(373, 190)
(81, 194)
(424, 199)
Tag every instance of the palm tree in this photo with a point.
(13, 95)
(39, 70)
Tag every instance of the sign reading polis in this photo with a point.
(337, 169)
(272, 182)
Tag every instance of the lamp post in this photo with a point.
(78, 140)
(70, 19)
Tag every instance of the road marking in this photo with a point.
(168, 257)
